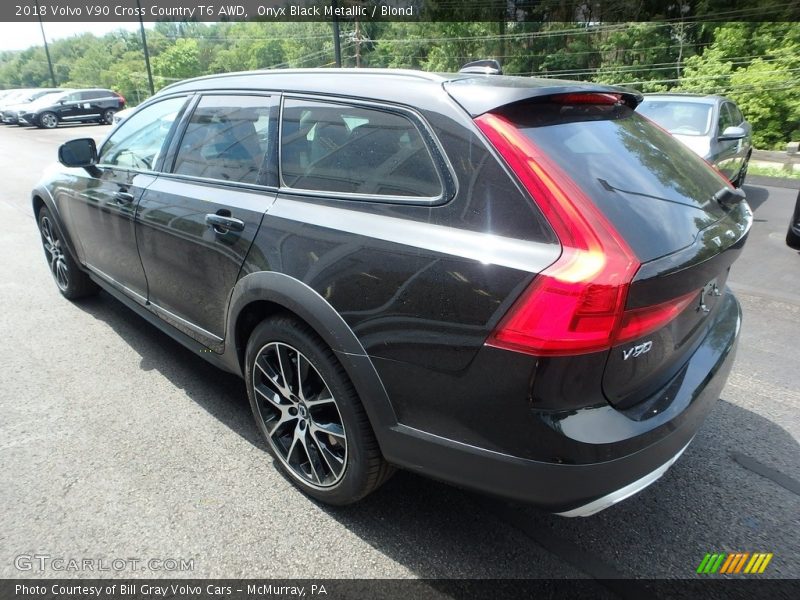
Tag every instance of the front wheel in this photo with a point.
(792, 239)
(309, 413)
(742, 173)
(48, 120)
(71, 281)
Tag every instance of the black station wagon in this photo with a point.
(514, 285)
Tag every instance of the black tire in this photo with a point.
(48, 120)
(362, 466)
(792, 239)
(740, 178)
(70, 279)
(108, 117)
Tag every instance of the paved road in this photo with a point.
(117, 443)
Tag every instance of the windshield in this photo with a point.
(678, 117)
(50, 97)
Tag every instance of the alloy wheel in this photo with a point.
(300, 415)
(49, 120)
(55, 254)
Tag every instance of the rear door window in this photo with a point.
(344, 149)
(226, 139)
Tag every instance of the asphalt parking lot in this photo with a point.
(118, 443)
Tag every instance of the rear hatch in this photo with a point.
(659, 204)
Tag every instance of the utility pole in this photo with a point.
(46, 49)
(337, 49)
(358, 44)
(146, 52)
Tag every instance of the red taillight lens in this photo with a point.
(639, 322)
(574, 306)
(121, 97)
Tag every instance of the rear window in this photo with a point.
(656, 193)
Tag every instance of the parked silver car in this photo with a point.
(711, 126)
(9, 113)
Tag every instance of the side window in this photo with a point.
(137, 143)
(226, 139)
(338, 148)
(725, 117)
(73, 97)
(738, 119)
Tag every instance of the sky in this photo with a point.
(18, 36)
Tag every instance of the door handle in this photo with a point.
(123, 197)
(223, 224)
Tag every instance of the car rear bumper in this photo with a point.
(602, 503)
(652, 444)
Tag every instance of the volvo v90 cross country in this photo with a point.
(514, 285)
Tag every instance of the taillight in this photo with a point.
(576, 305)
(121, 97)
(639, 322)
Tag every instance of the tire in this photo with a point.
(792, 239)
(71, 281)
(48, 120)
(318, 432)
(108, 117)
(740, 178)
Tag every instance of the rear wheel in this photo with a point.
(108, 117)
(48, 120)
(309, 413)
(71, 281)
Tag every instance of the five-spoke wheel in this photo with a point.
(48, 120)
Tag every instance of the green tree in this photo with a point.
(179, 61)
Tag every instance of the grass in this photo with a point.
(772, 172)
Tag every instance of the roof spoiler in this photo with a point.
(485, 67)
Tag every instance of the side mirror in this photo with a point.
(78, 153)
(732, 133)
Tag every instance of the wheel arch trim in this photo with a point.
(300, 299)
(42, 195)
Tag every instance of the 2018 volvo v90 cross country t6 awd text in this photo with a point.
(514, 285)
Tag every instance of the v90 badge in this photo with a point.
(637, 350)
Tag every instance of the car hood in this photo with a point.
(699, 144)
(40, 103)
